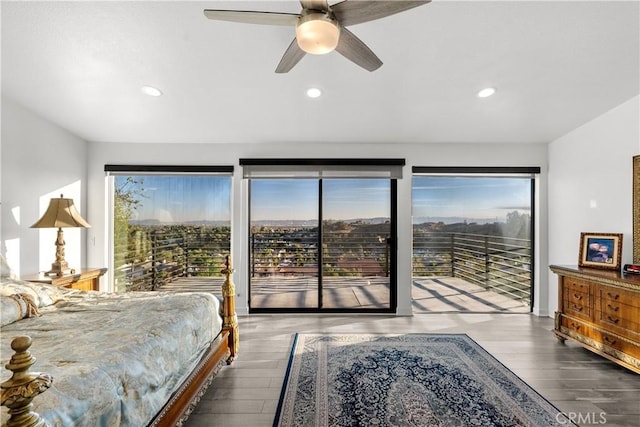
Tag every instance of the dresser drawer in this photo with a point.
(577, 326)
(607, 339)
(621, 318)
(576, 285)
(577, 303)
(609, 293)
(84, 285)
(617, 343)
(617, 311)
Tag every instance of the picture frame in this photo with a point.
(636, 209)
(600, 250)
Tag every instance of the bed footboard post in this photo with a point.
(19, 390)
(229, 317)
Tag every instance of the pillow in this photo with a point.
(16, 307)
(42, 293)
(10, 287)
(5, 270)
(10, 310)
(47, 294)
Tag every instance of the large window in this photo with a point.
(169, 226)
(472, 240)
(321, 239)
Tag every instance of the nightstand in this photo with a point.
(85, 279)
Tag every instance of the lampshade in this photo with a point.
(61, 213)
(317, 33)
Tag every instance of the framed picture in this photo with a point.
(636, 209)
(600, 250)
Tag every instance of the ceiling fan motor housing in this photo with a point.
(317, 32)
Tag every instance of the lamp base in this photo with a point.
(59, 269)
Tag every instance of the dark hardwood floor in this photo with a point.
(587, 387)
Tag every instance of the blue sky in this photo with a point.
(280, 199)
(470, 197)
(181, 199)
(194, 198)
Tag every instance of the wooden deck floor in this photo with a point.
(429, 295)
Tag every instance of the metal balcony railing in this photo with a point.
(295, 253)
(153, 256)
(496, 263)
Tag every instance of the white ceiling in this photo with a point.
(556, 65)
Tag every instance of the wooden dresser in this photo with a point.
(600, 309)
(86, 279)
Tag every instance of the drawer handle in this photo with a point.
(613, 319)
(610, 307)
(577, 296)
(577, 307)
(610, 341)
(615, 297)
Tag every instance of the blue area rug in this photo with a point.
(404, 380)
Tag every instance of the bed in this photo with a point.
(131, 359)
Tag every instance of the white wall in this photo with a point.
(592, 163)
(590, 184)
(228, 154)
(39, 160)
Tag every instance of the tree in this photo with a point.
(518, 225)
(126, 199)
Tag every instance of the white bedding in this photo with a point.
(115, 358)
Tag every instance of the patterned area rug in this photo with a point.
(404, 380)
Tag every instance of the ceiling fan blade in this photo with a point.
(352, 48)
(315, 4)
(354, 12)
(251, 17)
(291, 57)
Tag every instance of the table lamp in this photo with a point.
(60, 213)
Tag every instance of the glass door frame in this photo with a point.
(393, 262)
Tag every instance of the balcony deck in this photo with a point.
(429, 295)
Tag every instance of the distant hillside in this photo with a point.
(150, 222)
(314, 222)
(455, 220)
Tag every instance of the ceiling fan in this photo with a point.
(321, 28)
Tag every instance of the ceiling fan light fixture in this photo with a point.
(317, 33)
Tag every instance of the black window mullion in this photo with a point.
(532, 245)
(393, 247)
(320, 244)
(252, 254)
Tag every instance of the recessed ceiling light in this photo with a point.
(314, 92)
(151, 91)
(486, 92)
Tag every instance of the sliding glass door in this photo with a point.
(356, 240)
(322, 244)
(283, 241)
